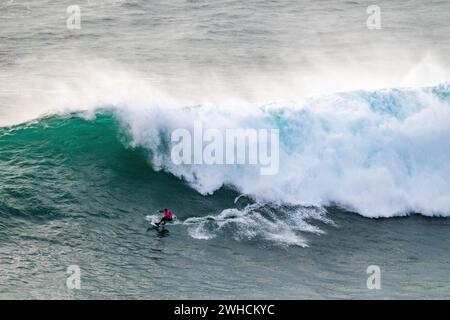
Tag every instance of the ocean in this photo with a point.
(90, 93)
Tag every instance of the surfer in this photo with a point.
(167, 217)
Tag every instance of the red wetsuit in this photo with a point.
(167, 217)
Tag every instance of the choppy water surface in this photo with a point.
(85, 116)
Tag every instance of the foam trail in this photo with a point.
(257, 221)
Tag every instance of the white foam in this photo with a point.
(381, 153)
(282, 226)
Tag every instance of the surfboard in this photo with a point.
(153, 219)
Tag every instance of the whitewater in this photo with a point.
(86, 118)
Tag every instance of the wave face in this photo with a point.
(379, 153)
(72, 169)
